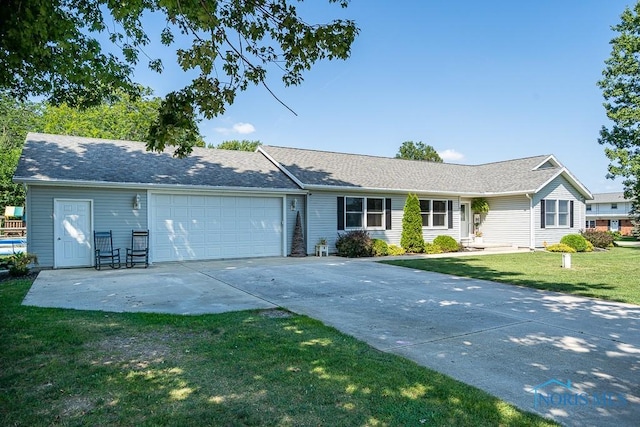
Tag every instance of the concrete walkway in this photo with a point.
(574, 359)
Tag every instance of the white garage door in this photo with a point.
(185, 227)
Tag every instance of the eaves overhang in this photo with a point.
(152, 186)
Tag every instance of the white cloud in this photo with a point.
(244, 128)
(449, 155)
(241, 128)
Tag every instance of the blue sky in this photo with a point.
(479, 81)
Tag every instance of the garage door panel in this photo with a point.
(210, 227)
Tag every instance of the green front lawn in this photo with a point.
(611, 275)
(272, 368)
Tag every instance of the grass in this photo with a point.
(610, 275)
(250, 368)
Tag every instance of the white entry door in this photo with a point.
(614, 225)
(72, 233)
(465, 222)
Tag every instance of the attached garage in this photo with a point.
(198, 227)
(213, 204)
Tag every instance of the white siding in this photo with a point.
(112, 210)
(507, 222)
(323, 219)
(559, 189)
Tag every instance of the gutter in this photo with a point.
(150, 186)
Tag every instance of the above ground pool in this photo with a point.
(12, 245)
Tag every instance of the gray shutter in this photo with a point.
(542, 213)
(571, 214)
(450, 212)
(340, 213)
(387, 214)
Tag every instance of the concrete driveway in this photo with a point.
(574, 359)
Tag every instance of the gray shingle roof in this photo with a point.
(76, 159)
(322, 168)
(608, 198)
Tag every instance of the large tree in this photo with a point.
(418, 151)
(244, 145)
(16, 119)
(621, 90)
(121, 117)
(52, 48)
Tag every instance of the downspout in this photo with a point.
(532, 232)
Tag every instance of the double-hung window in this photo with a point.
(557, 213)
(375, 212)
(551, 213)
(354, 212)
(434, 213)
(563, 213)
(425, 212)
(364, 212)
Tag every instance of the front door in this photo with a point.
(614, 225)
(72, 233)
(465, 222)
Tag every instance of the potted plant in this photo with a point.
(480, 205)
(478, 238)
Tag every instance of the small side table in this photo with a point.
(322, 249)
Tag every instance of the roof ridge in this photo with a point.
(546, 156)
(363, 155)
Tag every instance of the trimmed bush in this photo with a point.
(446, 243)
(599, 239)
(354, 244)
(432, 248)
(411, 239)
(395, 250)
(576, 241)
(379, 247)
(589, 246)
(560, 247)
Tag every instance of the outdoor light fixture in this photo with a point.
(294, 203)
(136, 202)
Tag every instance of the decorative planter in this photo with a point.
(322, 249)
(478, 239)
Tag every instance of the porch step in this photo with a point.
(494, 247)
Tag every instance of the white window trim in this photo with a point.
(445, 226)
(364, 213)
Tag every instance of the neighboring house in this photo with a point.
(228, 204)
(609, 212)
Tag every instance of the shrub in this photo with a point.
(599, 239)
(560, 247)
(395, 250)
(354, 244)
(411, 239)
(379, 247)
(576, 241)
(446, 243)
(615, 234)
(432, 248)
(589, 246)
(18, 263)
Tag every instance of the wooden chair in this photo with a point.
(138, 253)
(103, 246)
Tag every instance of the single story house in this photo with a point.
(609, 212)
(228, 204)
